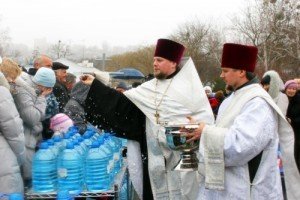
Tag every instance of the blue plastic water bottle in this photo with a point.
(72, 134)
(111, 164)
(87, 139)
(67, 138)
(69, 170)
(110, 167)
(81, 152)
(58, 143)
(91, 128)
(120, 147)
(124, 191)
(52, 147)
(44, 176)
(96, 177)
(124, 142)
(78, 148)
(76, 134)
(64, 195)
(83, 146)
(90, 133)
(15, 196)
(73, 129)
(116, 151)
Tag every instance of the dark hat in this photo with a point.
(239, 56)
(58, 65)
(266, 80)
(169, 49)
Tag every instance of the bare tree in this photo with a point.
(204, 46)
(254, 28)
(273, 26)
(35, 53)
(60, 50)
(140, 59)
(66, 51)
(192, 35)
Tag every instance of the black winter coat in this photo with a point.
(61, 93)
(112, 110)
(293, 112)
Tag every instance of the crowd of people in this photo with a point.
(240, 129)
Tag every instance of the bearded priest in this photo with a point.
(140, 113)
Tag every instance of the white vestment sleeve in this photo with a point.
(250, 133)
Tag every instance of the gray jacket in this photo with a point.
(32, 110)
(75, 106)
(12, 144)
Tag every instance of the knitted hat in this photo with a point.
(169, 49)
(45, 77)
(290, 84)
(239, 56)
(60, 122)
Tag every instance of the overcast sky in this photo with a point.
(115, 22)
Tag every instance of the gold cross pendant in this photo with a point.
(156, 115)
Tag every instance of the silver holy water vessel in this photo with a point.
(177, 141)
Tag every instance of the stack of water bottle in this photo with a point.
(12, 196)
(76, 163)
(124, 195)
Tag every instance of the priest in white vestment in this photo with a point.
(238, 154)
(174, 93)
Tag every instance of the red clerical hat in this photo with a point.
(169, 49)
(239, 56)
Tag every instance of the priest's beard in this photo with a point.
(160, 76)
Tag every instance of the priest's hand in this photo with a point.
(87, 79)
(194, 134)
